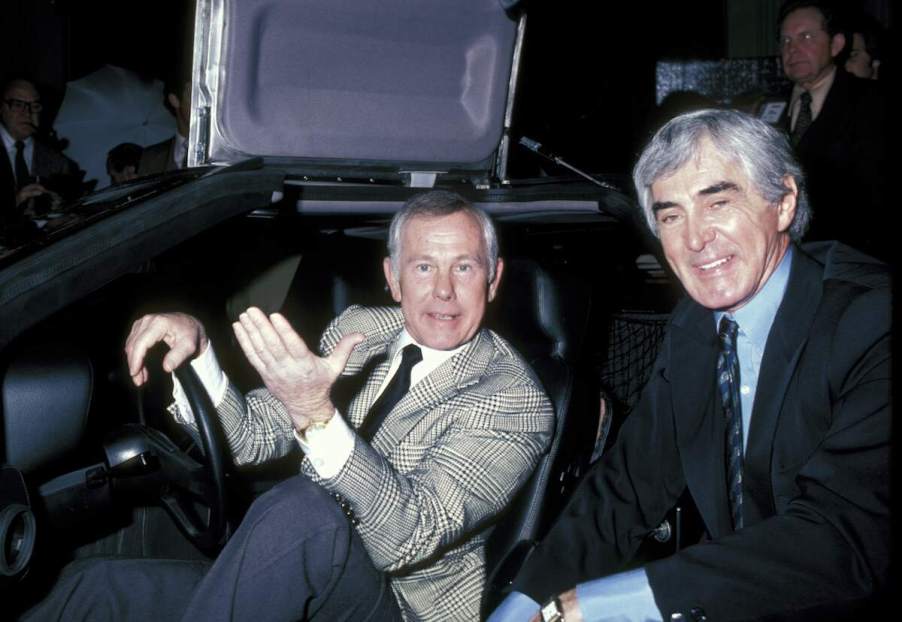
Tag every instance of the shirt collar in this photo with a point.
(818, 91)
(756, 317)
(8, 141)
(432, 358)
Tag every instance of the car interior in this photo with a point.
(93, 466)
(97, 467)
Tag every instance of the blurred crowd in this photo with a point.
(40, 183)
(835, 112)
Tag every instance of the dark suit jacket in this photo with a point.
(845, 157)
(157, 158)
(816, 474)
(45, 162)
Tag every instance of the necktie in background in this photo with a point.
(396, 389)
(22, 175)
(728, 382)
(803, 120)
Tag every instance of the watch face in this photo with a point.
(550, 612)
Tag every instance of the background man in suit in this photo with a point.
(172, 153)
(419, 485)
(838, 124)
(26, 159)
(779, 427)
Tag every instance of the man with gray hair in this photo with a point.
(768, 404)
(450, 423)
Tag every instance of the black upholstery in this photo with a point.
(333, 274)
(545, 318)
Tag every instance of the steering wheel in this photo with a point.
(192, 491)
(212, 533)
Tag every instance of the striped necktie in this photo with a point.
(803, 120)
(728, 383)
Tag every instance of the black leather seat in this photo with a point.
(546, 318)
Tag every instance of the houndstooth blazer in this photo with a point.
(447, 459)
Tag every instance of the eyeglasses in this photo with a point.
(802, 38)
(20, 105)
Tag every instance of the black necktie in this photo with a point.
(803, 120)
(21, 167)
(728, 383)
(396, 389)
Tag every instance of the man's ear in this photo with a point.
(837, 43)
(786, 207)
(393, 284)
(493, 286)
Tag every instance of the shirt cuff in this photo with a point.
(211, 377)
(625, 597)
(517, 607)
(327, 447)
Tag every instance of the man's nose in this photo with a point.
(699, 233)
(443, 288)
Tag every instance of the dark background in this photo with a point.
(587, 87)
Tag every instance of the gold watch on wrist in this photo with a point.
(315, 425)
(553, 611)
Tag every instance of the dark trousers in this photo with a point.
(294, 557)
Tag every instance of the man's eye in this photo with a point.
(464, 267)
(668, 219)
(719, 204)
(423, 267)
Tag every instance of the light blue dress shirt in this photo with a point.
(627, 596)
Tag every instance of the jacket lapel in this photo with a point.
(368, 364)
(455, 374)
(699, 428)
(830, 117)
(785, 344)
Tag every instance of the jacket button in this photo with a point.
(698, 614)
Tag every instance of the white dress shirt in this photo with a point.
(329, 447)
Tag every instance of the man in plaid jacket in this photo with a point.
(419, 489)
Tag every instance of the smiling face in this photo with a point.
(720, 236)
(442, 283)
(806, 47)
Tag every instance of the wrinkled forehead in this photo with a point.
(707, 163)
(804, 19)
(460, 226)
(21, 90)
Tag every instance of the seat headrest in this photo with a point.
(537, 312)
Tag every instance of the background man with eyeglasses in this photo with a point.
(26, 162)
(838, 124)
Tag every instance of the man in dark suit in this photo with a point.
(768, 404)
(421, 479)
(171, 154)
(838, 124)
(27, 163)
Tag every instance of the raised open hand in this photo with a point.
(294, 374)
